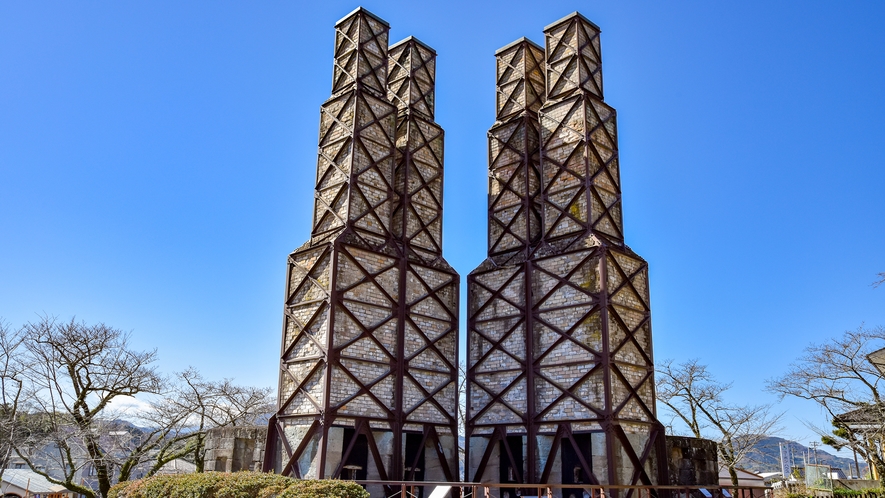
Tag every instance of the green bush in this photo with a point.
(235, 485)
(847, 493)
(324, 489)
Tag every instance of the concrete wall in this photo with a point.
(232, 449)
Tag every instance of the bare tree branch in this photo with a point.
(194, 406)
(11, 387)
(75, 371)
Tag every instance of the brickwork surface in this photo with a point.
(371, 313)
(559, 339)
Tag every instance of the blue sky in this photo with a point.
(157, 161)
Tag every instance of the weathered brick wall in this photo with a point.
(514, 154)
(357, 128)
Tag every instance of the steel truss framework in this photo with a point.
(559, 333)
(370, 328)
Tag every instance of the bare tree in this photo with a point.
(11, 387)
(195, 405)
(693, 396)
(73, 372)
(76, 372)
(843, 376)
(881, 279)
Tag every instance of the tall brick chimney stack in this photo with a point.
(368, 364)
(560, 371)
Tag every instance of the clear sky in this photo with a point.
(157, 164)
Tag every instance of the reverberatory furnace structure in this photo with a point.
(559, 364)
(560, 372)
(368, 367)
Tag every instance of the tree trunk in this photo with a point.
(734, 475)
(880, 469)
(101, 468)
(200, 454)
(104, 485)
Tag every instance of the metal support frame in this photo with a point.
(370, 327)
(559, 334)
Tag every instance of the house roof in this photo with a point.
(869, 416)
(723, 471)
(837, 473)
(31, 481)
(745, 478)
(877, 359)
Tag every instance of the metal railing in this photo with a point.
(428, 489)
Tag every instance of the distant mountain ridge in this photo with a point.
(765, 457)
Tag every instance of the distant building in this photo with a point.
(770, 477)
(746, 479)
(21, 483)
(866, 421)
(177, 466)
(115, 443)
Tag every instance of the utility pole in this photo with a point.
(856, 466)
(814, 450)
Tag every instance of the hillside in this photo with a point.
(765, 457)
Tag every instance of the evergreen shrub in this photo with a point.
(235, 485)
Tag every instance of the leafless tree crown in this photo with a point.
(699, 402)
(844, 376)
(71, 373)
